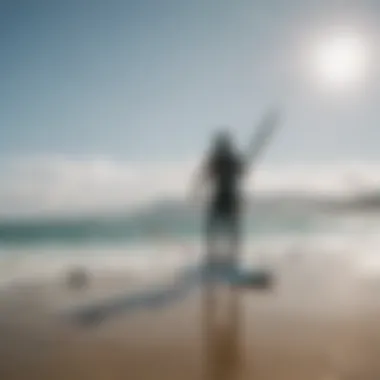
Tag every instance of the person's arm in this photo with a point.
(261, 138)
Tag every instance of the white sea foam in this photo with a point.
(352, 249)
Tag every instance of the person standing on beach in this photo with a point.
(225, 169)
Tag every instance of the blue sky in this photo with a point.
(105, 103)
(149, 79)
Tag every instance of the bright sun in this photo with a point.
(340, 61)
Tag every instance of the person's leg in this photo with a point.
(211, 229)
(234, 237)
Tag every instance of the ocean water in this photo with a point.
(161, 243)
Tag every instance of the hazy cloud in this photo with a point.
(61, 185)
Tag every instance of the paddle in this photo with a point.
(261, 138)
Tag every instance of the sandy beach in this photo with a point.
(323, 326)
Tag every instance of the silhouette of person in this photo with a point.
(224, 169)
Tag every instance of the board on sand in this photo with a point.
(244, 278)
(259, 279)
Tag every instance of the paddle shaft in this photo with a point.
(262, 137)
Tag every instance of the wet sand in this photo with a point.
(308, 327)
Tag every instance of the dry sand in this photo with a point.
(319, 326)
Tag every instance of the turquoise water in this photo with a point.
(133, 229)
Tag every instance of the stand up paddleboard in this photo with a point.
(244, 278)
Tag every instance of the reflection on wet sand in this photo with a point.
(222, 356)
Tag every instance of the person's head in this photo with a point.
(223, 142)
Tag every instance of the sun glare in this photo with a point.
(340, 61)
